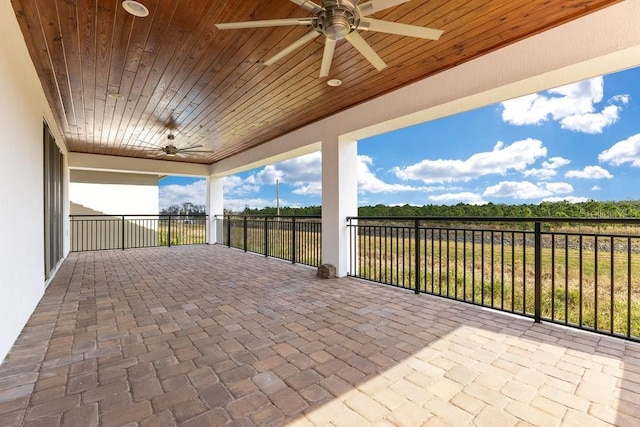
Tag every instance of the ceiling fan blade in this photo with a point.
(293, 46)
(196, 151)
(327, 56)
(265, 23)
(400, 29)
(308, 5)
(188, 147)
(374, 6)
(367, 51)
(148, 144)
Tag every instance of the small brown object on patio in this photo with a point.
(326, 271)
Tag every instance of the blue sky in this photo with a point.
(575, 143)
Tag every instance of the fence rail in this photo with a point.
(292, 238)
(101, 232)
(583, 273)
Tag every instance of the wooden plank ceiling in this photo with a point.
(178, 74)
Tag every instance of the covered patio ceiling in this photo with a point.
(176, 73)
(233, 338)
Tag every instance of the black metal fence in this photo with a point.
(292, 238)
(100, 232)
(583, 273)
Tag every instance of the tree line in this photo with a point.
(187, 208)
(563, 209)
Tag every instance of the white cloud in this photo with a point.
(501, 160)
(454, 198)
(174, 194)
(557, 187)
(589, 172)
(548, 169)
(298, 171)
(592, 123)
(369, 182)
(310, 189)
(527, 190)
(234, 184)
(627, 151)
(555, 162)
(540, 173)
(569, 199)
(573, 106)
(595, 188)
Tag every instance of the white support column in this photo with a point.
(215, 199)
(339, 200)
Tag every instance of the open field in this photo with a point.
(593, 288)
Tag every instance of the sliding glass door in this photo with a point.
(53, 200)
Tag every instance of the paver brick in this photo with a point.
(189, 409)
(288, 401)
(529, 414)
(492, 417)
(102, 392)
(409, 414)
(130, 414)
(85, 416)
(247, 405)
(268, 382)
(366, 406)
(160, 419)
(146, 389)
(173, 397)
(52, 407)
(216, 395)
(214, 417)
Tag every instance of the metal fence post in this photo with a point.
(228, 229)
(266, 236)
(416, 230)
(169, 232)
(123, 232)
(293, 240)
(538, 272)
(244, 232)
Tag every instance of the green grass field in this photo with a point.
(502, 275)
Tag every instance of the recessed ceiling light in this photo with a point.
(334, 82)
(115, 95)
(135, 8)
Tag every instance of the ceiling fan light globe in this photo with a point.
(337, 30)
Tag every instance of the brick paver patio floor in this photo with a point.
(206, 335)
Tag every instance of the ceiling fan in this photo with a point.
(171, 150)
(337, 20)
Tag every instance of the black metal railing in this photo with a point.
(292, 238)
(583, 273)
(101, 232)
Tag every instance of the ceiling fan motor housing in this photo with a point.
(337, 18)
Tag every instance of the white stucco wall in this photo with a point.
(113, 193)
(23, 108)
